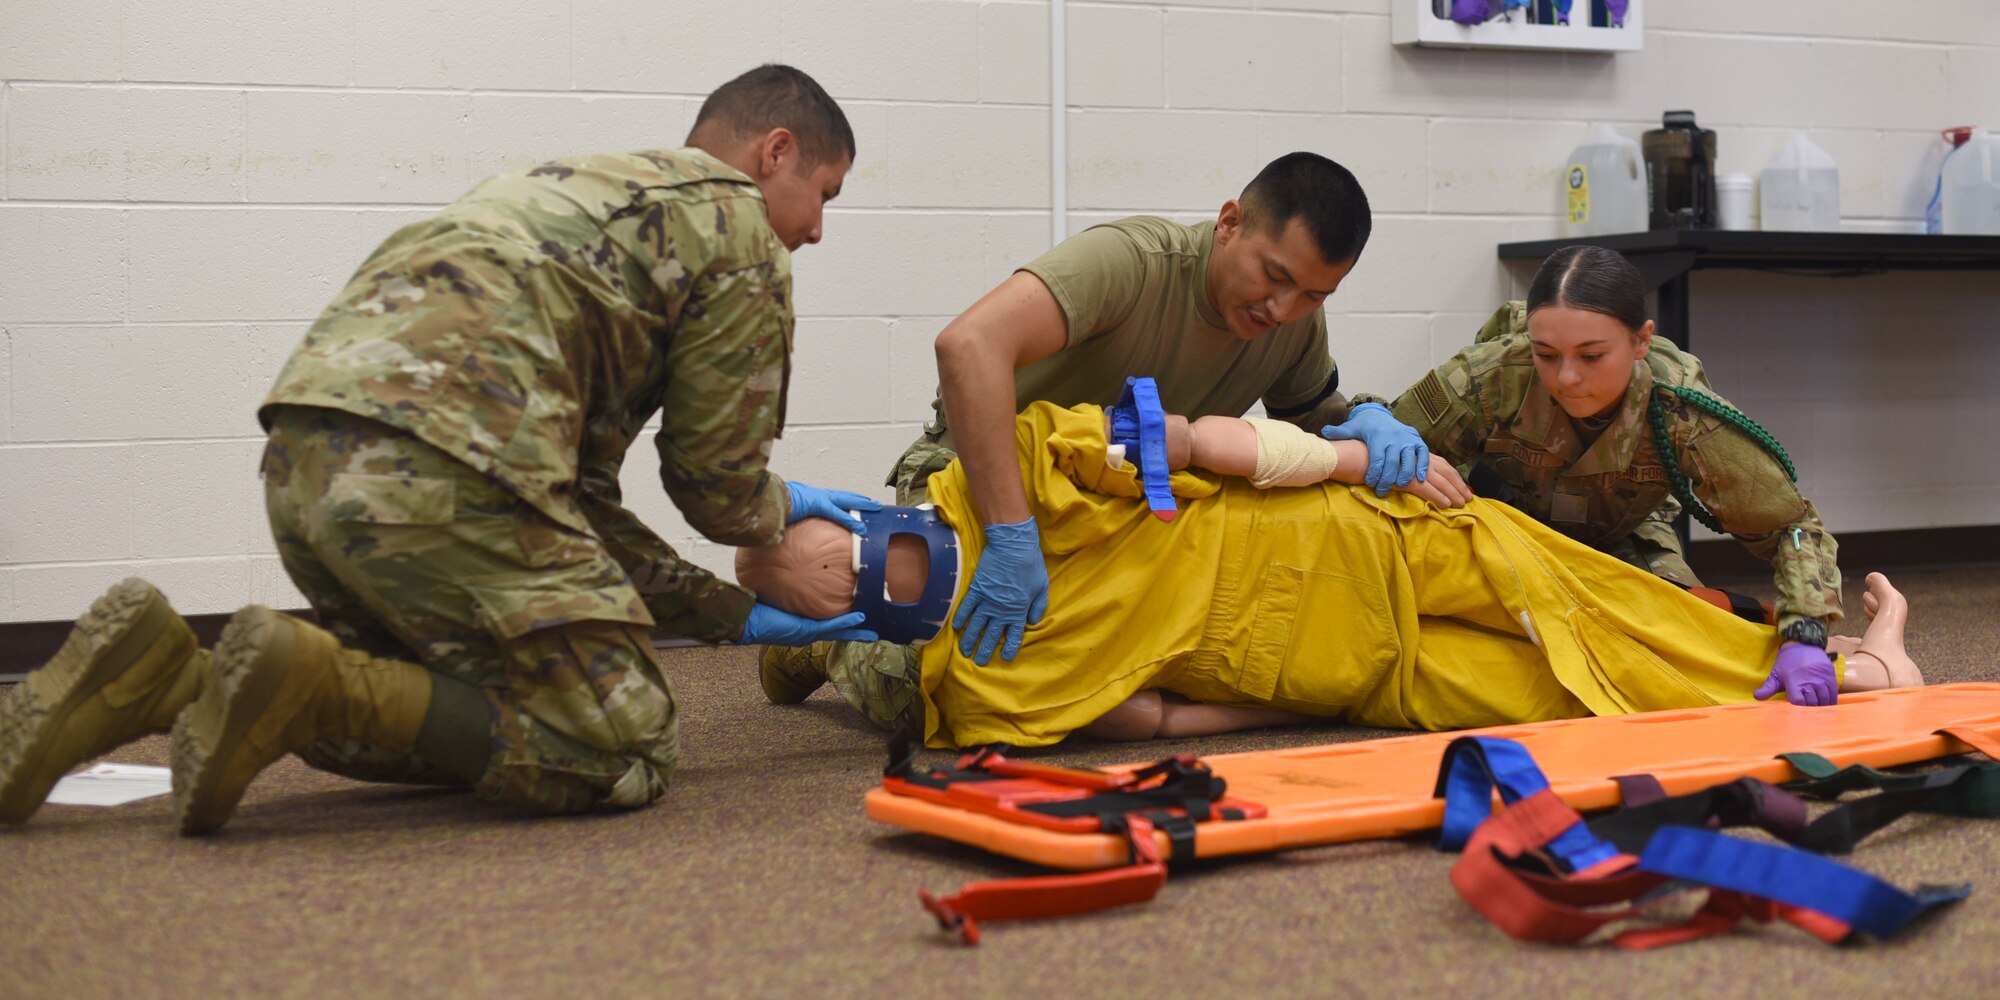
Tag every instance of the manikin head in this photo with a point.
(1587, 321)
(778, 126)
(811, 572)
(1286, 244)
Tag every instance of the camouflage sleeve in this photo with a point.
(1754, 499)
(1445, 407)
(685, 599)
(727, 368)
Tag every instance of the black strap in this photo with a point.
(1287, 412)
(1743, 802)
(1639, 789)
(1963, 790)
(904, 746)
(1187, 785)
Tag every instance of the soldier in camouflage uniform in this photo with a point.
(1616, 477)
(442, 479)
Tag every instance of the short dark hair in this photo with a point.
(778, 96)
(1592, 279)
(1318, 192)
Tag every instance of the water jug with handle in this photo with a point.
(1800, 190)
(1604, 186)
(1971, 195)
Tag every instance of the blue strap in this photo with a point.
(1789, 875)
(1475, 765)
(1139, 421)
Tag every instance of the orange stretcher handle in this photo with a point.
(993, 763)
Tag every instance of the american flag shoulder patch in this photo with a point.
(1431, 397)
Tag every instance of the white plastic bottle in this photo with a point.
(1604, 186)
(1971, 195)
(1800, 190)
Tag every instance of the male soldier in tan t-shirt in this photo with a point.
(1222, 315)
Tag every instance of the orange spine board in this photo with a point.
(1382, 788)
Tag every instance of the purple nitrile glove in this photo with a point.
(1804, 673)
(1471, 11)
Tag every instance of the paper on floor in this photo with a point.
(112, 785)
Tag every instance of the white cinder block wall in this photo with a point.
(187, 183)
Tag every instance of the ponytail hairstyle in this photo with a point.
(1592, 279)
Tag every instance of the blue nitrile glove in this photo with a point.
(811, 501)
(769, 626)
(1804, 673)
(1009, 592)
(1396, 452)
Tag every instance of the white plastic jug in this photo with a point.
(1800, 190)
(1972, 187)
(1604, 186)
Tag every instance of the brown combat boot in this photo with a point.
(280, 684)
(128, 667)
(791, 673)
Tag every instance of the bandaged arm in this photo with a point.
(1267, 452)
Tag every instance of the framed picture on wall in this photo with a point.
(1561, 25)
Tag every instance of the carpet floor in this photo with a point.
(759, 876)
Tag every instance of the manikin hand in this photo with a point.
(769, 626)
(1396, 452)
(1009, 592)
(1804, 673)
(1442, 486)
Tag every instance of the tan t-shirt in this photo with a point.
(1134, 294)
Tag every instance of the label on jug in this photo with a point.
(1579, 194)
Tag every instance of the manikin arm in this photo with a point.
(1273, 453)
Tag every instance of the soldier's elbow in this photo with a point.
(742, 516)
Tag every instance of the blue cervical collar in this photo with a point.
(922, 619)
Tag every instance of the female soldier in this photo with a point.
(1569, 409)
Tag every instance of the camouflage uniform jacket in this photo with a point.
(532, 327)
(1487, 405)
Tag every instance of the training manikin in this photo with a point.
(1304, 598)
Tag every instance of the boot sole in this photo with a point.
(109, 640)
(203, 797)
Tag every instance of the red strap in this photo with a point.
(1723, 911)
(1534, 907)
(1053, 895)
(1519, 903)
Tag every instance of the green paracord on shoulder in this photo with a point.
(1657, 416)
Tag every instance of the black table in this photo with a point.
(1666, 257)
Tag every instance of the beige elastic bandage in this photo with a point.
(1288, 455)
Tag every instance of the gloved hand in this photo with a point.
(1009, 592)
(1396, 452)
(811, 501)
(769, 626)
(1804, 673)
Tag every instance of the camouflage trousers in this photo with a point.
(880, 678)
(407, 553)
